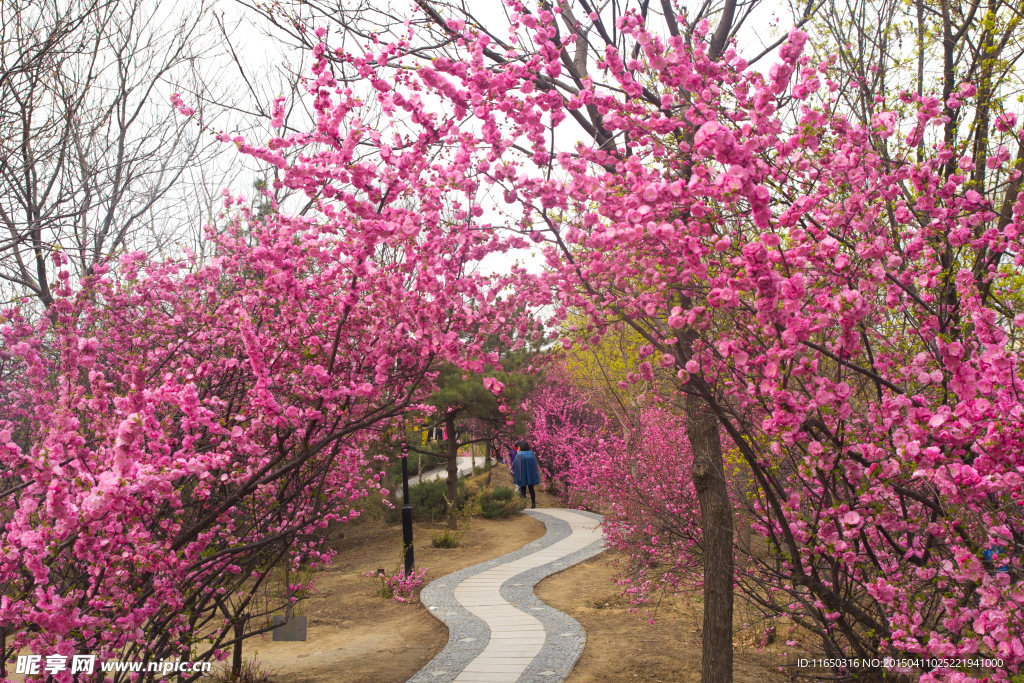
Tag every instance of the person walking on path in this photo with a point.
(526, 472)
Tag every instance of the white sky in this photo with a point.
(262, 54)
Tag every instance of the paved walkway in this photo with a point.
(465, 466)
(498, 630)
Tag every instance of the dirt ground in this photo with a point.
(353, 636)
(356, 637)
(624, 646)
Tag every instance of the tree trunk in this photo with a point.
(744, 535)
(236, 659)
(716, 529)
(487, 454)
(453, 469)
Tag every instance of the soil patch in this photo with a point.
(623, 646)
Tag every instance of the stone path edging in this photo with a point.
(469, 635)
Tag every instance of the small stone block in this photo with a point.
(489, 677)
(295, 629)
(466, 640)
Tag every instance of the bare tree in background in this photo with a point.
(90, 147)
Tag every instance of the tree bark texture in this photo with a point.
(452, 444)
(717, 531)
(236, 659)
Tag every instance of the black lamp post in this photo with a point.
(406, 507)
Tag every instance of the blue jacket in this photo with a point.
(525, 470)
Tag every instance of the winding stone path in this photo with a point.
(498, 630)
(463, 464)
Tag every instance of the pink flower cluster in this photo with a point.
(398, 586)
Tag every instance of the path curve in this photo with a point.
(463, 464)
(498, 630)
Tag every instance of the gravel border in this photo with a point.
(468, 635)
(565, 636)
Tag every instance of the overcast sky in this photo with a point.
(261, 55)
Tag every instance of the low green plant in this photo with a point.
(450, 538)
(505, 493)
(501, 503)
(446, 539)
(428, 499)
(383, 587)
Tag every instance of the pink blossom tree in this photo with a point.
(840, 313)
(174, 433)
(637, 472)
(572, 436)
(832, 293)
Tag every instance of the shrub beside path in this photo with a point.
(499, 631)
